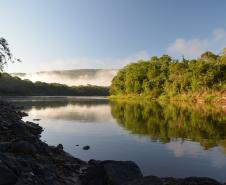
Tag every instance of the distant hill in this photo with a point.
(100, 77)
(14, 86)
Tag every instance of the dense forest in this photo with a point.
(166, 77)
(10, 86)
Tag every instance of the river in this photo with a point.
(163, 139)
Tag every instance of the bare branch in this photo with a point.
(5, 54)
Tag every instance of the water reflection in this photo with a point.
(186, 149)
(163, 139)
(85, 113)
(170, 122)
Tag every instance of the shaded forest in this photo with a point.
(10, 86)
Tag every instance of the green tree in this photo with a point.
(5, 54)
(209, 56)
(164, 76)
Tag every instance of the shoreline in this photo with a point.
(218, 98)
(25, 159)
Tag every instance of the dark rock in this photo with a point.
(60, 147)
(110, 172)
(171, 181)
(120, 172)
(4, 146)
(23, 147)
(86, 147)
(149, 180)
(94, 174)
(33, 128)
(36, 119)
(199, 181)
(7, 177)
(23, 114)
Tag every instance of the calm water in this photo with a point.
(163, 139)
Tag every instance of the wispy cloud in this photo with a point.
(84, 63)
(192, 48)
(192, 149)
(77, 63)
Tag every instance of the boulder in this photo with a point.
(4, 146)
(110, 172)
(86, 147)
(7, 176)
(23, 147)
(199, 181)
(120, 172)
(149, 180)
(60, 147)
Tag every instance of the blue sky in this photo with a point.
(73, 34)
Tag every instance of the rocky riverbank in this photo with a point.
(26, 160)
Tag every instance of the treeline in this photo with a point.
(164, 76)
(14, 86)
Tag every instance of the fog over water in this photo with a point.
(100, 77)
(84, 113)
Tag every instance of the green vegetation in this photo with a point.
(167, 122)
(14, 86)
(10, 86)
(163, 77)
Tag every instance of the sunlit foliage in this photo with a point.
(165, 76)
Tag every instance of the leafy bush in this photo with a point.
(165, 76)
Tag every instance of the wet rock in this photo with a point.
(33, 128)
(94, 174)
(23, 114)
(171, 181)
(4, 146)
(153, 180)
(149, 180)
(23, 147)
(199, 181)
(36, 119)
(120, 172)
(60, 147)
(110, 172)
(86, 147)
(7, 177)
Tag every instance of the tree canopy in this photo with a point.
(14, 86)
(166, 76)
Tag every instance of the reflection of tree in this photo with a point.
(166, 122)
(65, 108)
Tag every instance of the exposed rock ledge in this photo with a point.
(26, 160)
